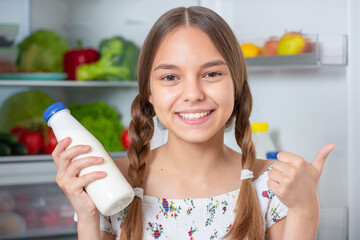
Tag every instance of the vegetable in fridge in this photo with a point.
(42, 51)
(24, 109)
(118, 60)
(102, 121)
(75, 57)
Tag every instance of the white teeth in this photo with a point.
(194, 116)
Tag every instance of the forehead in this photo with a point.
(186, 45)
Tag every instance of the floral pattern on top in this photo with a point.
(168, 209)
(199, 218)
(155, 229)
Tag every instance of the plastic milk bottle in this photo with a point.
(110, 194)
(265, 148)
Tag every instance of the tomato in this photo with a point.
(50, 141)
(17, 130)
(32, 140)
(50, 218)
(125, 139)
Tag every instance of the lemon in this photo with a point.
(250, 50)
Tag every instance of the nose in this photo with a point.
(193, 90)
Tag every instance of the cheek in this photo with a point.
(227, 100)
(162, 100)
(224, 96)
(229, 96)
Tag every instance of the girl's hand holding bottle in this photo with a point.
(68, 179)
(295, 181)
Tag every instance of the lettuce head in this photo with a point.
(42, 51)
(24, 109)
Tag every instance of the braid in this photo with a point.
(248, 217)
(141, 130)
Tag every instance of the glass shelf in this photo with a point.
(328, 51)
(44, 158)
(44, 83)
(303, 60)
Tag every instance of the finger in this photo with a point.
(287, 157)
(320, 158)
(273, 186)
(60, 147)
(275, 175)
(76, 166)
(87, 178)
(67, 156)
(281, 166)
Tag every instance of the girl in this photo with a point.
(192, 76)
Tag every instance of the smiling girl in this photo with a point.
(192, 77)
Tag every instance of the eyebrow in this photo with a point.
(205, 65)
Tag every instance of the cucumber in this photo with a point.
(7, 138)
(18, 149)
(5, 149)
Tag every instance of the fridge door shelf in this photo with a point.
(328, 51)
(32, 169)
(43, 158)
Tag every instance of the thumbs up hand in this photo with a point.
(295, 181)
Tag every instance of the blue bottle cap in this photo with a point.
(271, 155)
(50, 111)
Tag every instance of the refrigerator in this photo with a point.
(307, 103)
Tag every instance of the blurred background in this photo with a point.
(306, 93)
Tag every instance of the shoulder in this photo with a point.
(124, 163)
(261, 166)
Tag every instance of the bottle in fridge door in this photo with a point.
(264, 145)
(110, 194)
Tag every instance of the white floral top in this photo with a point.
(200, 218)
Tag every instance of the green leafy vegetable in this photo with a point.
(118, 59)
(42, 51)
(102, 121)
(24, 109)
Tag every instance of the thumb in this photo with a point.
(320, 158)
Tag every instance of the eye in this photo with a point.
(212, 74)
(169, 78)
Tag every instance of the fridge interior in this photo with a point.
(308, 101)
(39, 210)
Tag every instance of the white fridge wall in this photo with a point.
(93, 20)
(354, 128)
(16, 12)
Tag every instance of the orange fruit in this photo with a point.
(250, 50)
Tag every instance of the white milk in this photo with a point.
(110, 194)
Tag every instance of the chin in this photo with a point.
(196, 137)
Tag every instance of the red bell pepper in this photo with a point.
(76, 57)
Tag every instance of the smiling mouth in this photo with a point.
(194, 116)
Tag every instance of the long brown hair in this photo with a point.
(248, 221)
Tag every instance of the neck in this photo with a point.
(197, 161)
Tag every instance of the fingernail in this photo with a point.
(99, 159)
(86, 147)
(102, 174)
